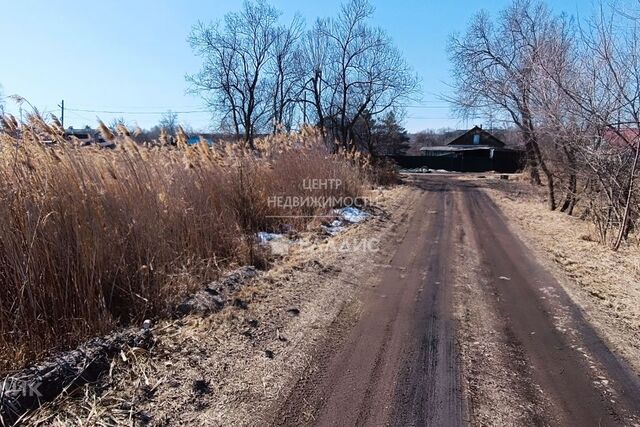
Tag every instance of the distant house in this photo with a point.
(475, 150)
(477, 137)
(195, 139)
(87, 136)
(624, 138)
(475, 140)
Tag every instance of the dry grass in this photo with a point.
(93, 238)
(227, 350)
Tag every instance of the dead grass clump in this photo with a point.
(385, 173)
(93, 238)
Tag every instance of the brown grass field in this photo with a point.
(91, 239)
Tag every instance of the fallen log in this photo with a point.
(44, 381)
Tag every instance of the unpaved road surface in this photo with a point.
(462, 326)
(452, 321)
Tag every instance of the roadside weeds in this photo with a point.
(231, 367)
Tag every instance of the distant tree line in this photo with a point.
(571, 89)
(341, 74)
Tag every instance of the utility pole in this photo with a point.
(304, 108)
(61, 105)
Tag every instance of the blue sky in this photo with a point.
(132, 56)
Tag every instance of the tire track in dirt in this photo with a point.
(428, 392)
(399, 362)
(499, 388)
(397, 365)
(305, 400)
(567, 367)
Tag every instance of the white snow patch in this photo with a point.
(278, 243)
(352, 215)
(265, 237)
(336, 227)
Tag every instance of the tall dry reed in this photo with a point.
(92, 238)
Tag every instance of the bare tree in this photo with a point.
(314, 55)
(117, 122)
(233, 78)
(574, 96)
(424, 138)
(605, 95)
(286, 74)
(259, 75)
(562, 130)
(354, 68)
(169, 122)
(496, 70)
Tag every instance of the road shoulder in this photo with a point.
(236, 366)
(604, 284)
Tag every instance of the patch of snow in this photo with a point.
(333, 229)
(265, 237)
(352, 215)
(416, 170)
(278, 243)
(336, 226)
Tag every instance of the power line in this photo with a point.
(196, 109)
(84, 118)
(206, 111)
(136, 112)
(425, 106)
(146, 107)
(431, 118)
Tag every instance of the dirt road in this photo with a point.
(463, 325)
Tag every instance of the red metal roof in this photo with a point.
(624, 137)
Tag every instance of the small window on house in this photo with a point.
(476, 139)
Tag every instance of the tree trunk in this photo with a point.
(551, 191)
(531, 138)
(317, 101)
(248, 134)
(570, 197)
(534, 174)
(625, 217)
